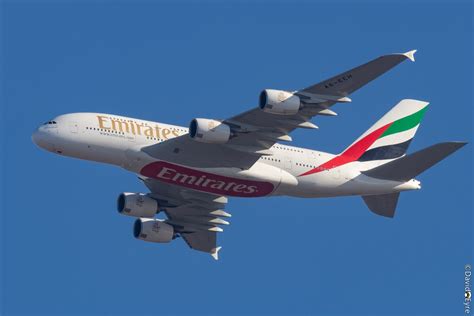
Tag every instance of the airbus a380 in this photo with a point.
(190, 172)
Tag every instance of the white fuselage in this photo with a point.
(144, 147)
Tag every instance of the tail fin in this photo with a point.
(390, 137)
(408, 167)
(387, 139)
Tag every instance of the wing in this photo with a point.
(262, 129)
(256, 131)
(195, 216)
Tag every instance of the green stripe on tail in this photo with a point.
(405, 123)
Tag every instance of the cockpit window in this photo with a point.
(50, 122)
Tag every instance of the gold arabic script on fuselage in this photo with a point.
(133, 127)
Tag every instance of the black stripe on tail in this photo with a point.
(386, 152)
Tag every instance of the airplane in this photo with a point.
(191, 172)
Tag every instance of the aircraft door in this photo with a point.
(130, 137)
(287, 163)
(73, 127)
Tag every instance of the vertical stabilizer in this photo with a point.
(390, 137)
(387, 139)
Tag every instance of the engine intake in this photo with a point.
(209, 131)
(153, 230)
(279, 102)
(137, 205)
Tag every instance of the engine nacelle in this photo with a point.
(137, 205)
(209, 131)
(153, 230)
(279, 102)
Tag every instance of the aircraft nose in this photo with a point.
(41, 139)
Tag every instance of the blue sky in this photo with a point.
(65, 249)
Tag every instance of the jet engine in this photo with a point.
(279, 102)
(137, 205)
(153, 230)
(209, 131)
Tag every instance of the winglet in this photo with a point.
(215, 253)
(410, 55)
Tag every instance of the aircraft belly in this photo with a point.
(259, 180)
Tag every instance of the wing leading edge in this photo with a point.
(254, 132)
(261, 129)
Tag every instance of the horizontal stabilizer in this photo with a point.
(382, 204)
(408, 167)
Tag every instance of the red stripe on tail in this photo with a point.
(350, 154)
